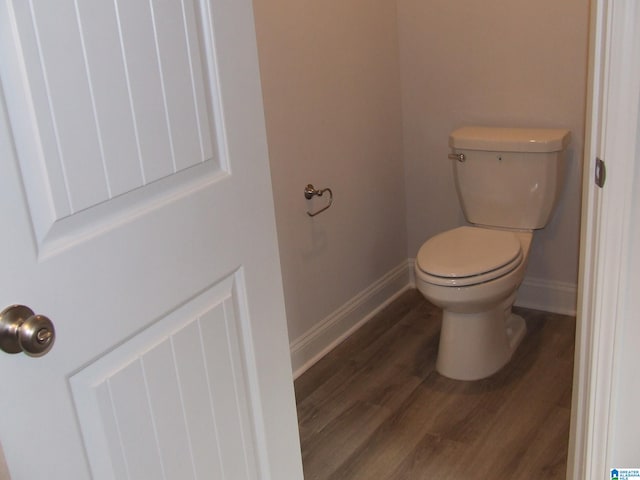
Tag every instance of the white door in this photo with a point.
(137, 214)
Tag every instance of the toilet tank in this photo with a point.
(510, 177)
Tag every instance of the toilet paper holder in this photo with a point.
(310, 191)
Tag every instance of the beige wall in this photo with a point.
(330, 80)
(360, 96)
(500, 63)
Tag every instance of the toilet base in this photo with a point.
(477, 345)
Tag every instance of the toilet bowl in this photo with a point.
(508, 182)
(473, 273)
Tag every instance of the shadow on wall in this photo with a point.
(318, 243)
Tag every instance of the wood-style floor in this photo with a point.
(375, 408)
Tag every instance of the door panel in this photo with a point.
(156, 399)
(136, 200)
(119, 98)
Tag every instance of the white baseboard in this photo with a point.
(538, 294)
(548, 295)
(307, 349)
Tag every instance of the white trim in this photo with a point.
(581, 423)
(307, 349)
(607, 216)
(412, 272)
(548, 295)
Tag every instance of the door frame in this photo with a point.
(611, 133)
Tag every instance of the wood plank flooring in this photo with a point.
(375, 408)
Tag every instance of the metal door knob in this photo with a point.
(21, 330)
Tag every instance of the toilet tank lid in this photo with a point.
(496, 139)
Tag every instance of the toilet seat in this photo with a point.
(467, 256)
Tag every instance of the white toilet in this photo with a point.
(508, 181)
